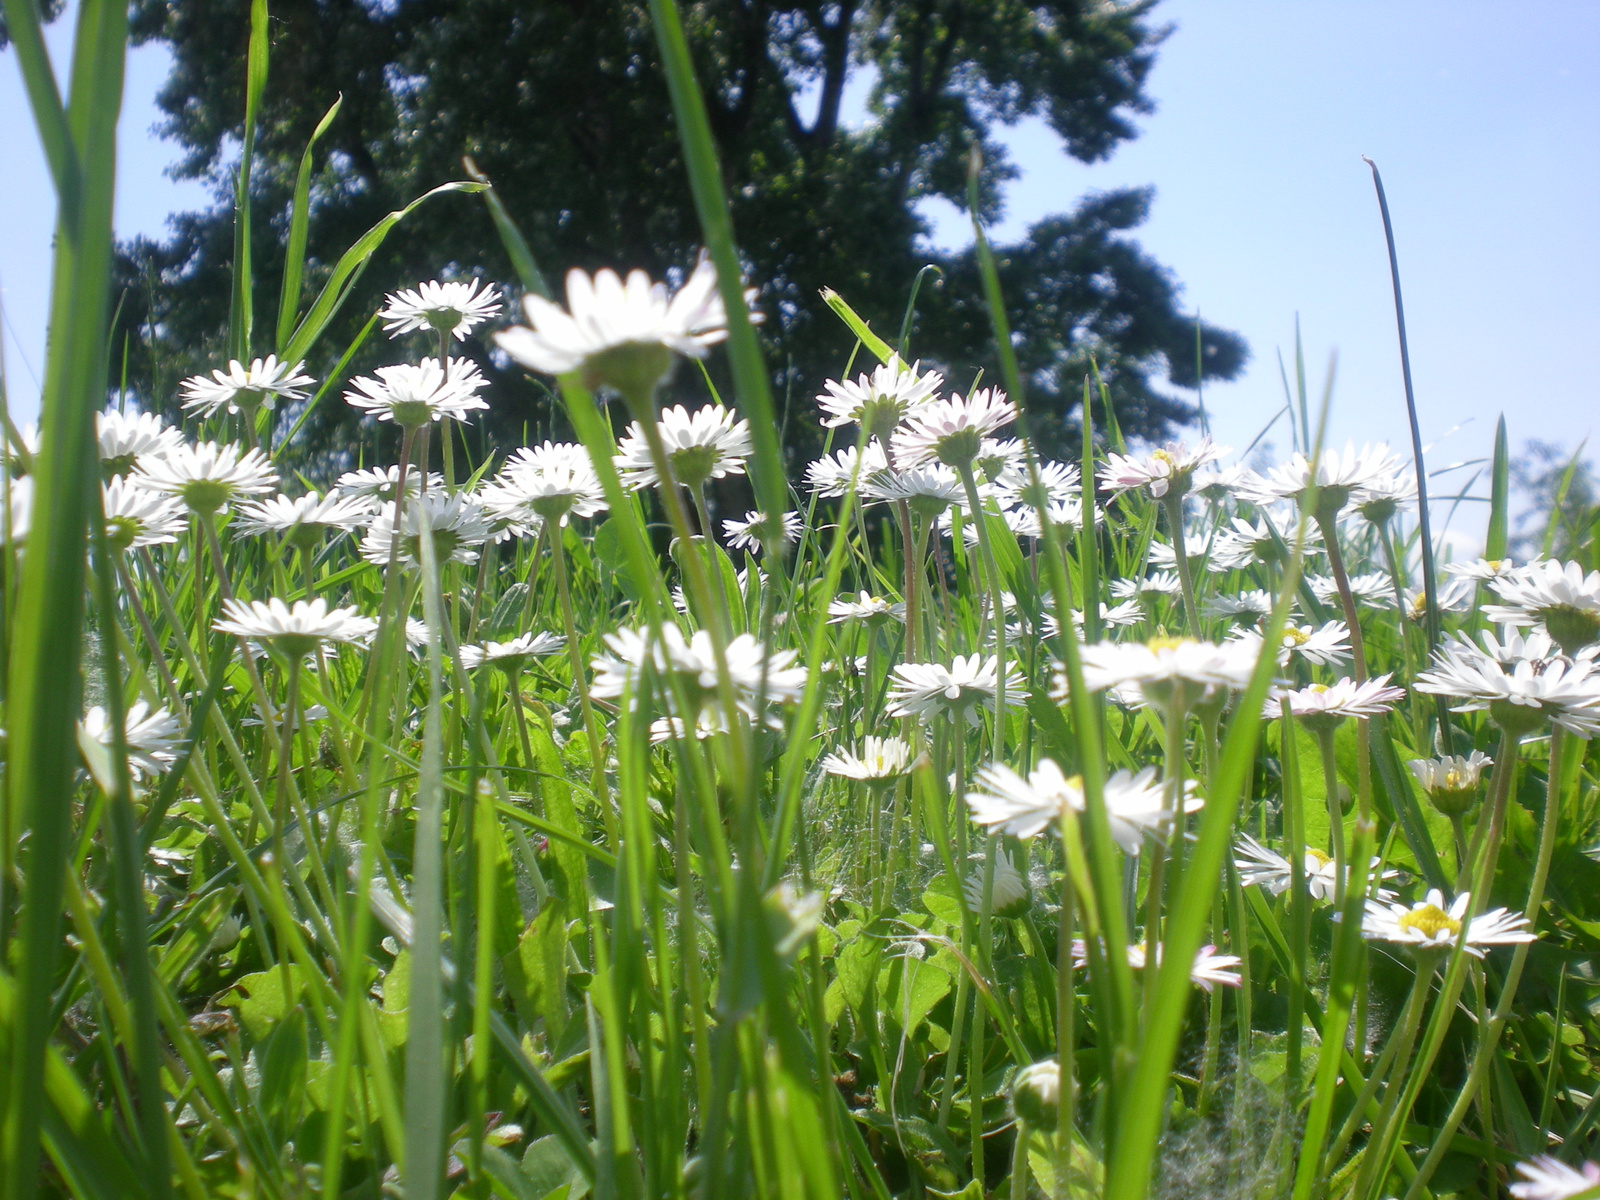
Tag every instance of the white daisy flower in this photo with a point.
(1159, 583)
(750, 533)
(1451, 782)
(152, 736)
(294, 631)
(1321, 706)
(1024, 808)
(1195, 546)
(306, 519)
(137, 517)
(1059, 484)
(1548, 1178)
(452, 308)
(1428, 925)
(952, 431)
(928, 490)
(458, 524)
(1481, 570)
(881, 761)
(831, 474)
(412, 396)
(1247, 607)
(1010, 896)
(1560, 597)
(1167, 670)
(1169, 468)
(930, 690)
(1210, 968)
(620, 334)
(879, 401)
(1338, 476)
(709, 444)
(207, 477)
(553, 481)
(242, 389)
(1327, 647)
(1217, 483)
(1455, 596)
(1373, 589)
(1381, 497)
(510, 656)
(865, 607)
(380, 482)
(753, 671)
(1259, 866)
(125, 439)
(1115, 616)
(1519, 701)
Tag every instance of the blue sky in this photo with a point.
(1484, 117)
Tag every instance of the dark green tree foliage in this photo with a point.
(562, 104)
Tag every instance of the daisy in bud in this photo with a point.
(865, 607)
(208, 477)
(1260, 866)
(152, 736)
(952, 431)
(414, 396)
(137, 517)
(751, 532)
(1548, 1178)
(551, 482)
(1429, 926)
(1036, 1094)
(1010, 896)
(126, 439)
(1452, 781)
(1026, 807)
(305, 520)
(1519, 700)
(1173, 673)
(620, 335)
(880, 401)
(293, 631)
(969, 683)
(511, 656)
(1338, 477)
(449, 309)
(831, 475)
(880, 763)
(379, 483)
(242, 389)
(1557, 596)
(709, 444)
(1320, 707)
(1169, 469)
(458, 525)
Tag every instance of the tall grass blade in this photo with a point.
(294, 263)
(1495, 541)
(241, 305)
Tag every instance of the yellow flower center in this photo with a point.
(1168, 643)
(1431, 920)
(1318, 688)
(1163, 456)
(1318, 857)
(1295, 637)
(1496, 564)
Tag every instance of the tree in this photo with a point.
(562, 103)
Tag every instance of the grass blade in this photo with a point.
(294, 262)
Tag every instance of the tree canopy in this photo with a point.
(562, 103)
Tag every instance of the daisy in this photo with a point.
(1384, 495)
(1059, 483)
(1024, 808)
(244, 390)
(1321, 706)
(294, 631)
(207, 477)
(752, 670)
(1195, 547)
(751, 532)
(1217, 483)
(552, 481)
(1247, 607)
(1243, 542)
(622, 335)
(952, 431)
(1262, 867)
(1168, 671)
(1168, 469)
(1115, 616)
(879, 401)
(1548, 1178)
(959, 690)
(152, 736)
(137, 517)
(380, 482)
(710, 444)
(1452, 781)
(881, 761)
(452, 308)
(1010, 897)
(1036, 1093)
(1326, 647)
(831, 474)
(1481, 570)
(1455, 596)
(510, 656)
(1159, 583)
(1567, 693)
(928, 490)
(865, 607)
(1373, 589)
(1337, 476)
(457, 523)
(125, 439)
(1428, 925)
(412, 396)
(1557, 596)
(305, 519)
(1209, 969)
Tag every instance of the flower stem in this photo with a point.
(1172, 505)
(580, 680)
(1330, 776)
